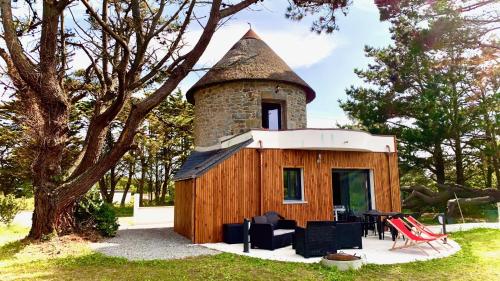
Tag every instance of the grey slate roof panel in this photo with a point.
(200, 162)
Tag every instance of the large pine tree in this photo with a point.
(429, 88)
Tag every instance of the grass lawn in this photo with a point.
(125, 211)
(479, 259)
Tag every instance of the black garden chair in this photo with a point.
(349, 235)
(318, 238)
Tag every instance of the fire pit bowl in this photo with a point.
(343, 261)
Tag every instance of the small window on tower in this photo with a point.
(271, 116)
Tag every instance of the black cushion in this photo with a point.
(273, 219)
(260, 219)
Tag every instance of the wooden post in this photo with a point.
(246, 223)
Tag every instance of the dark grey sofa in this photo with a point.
(271, 231)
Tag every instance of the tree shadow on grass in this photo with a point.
(7, 251)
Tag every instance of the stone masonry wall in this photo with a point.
(236, 107)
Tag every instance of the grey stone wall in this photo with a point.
(236, 107)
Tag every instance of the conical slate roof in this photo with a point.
(250, 59)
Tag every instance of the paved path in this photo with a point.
(150, 244)
(374, 251)
(149, 235)
(465, 226)
(23, 218)
(154, 215)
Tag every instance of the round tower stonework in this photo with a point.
(251, 87)
(236, 107)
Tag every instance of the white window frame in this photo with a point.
(372, 189)
(302, 200)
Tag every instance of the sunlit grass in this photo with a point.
(125, 211)
(479, 259)
(12, 232)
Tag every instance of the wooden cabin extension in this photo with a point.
(254, 153)
(250, 182)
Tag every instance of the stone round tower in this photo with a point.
(251, 87)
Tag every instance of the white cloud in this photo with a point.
(365, 5)
(325, 120)
(80, 60)
(297, 46)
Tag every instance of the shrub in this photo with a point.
(93, 212)
(9, 207)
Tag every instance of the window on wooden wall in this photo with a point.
(293, 184)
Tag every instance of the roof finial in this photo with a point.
(250, 33)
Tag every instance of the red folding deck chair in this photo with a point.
(412, 240)
(425, 230)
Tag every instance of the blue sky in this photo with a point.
(326, 62)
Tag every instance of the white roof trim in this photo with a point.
(311, 139)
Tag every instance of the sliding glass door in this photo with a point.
(351, 189)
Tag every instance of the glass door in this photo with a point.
(351, 189)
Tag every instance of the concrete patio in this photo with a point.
(374, 250)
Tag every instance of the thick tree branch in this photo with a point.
(451, 205)
(156, 32)
(233, 9)
(157, 67)
(77, 186)
(24, 65)
(106, 26)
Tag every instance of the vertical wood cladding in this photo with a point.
(184, 211)
(232, 190)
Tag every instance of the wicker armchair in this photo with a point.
(271, 231)
(348, 235)
(317, 239)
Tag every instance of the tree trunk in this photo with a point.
(164, 188)
(142, 180)
(492, 139)
(496, 167)
(113, 180)
(150, 186)
(44, 216)
(51, 218)
(439, 164)
(157, 182)
(459, 160)
(55, 194)
(488, 173)
(452, 204)
(131, 169)
(422, 196)
(103, 189)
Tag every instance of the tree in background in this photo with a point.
(436, 88)
(14, 161)
(164, 143)
(132, 46)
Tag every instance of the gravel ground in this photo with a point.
(150, 244)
